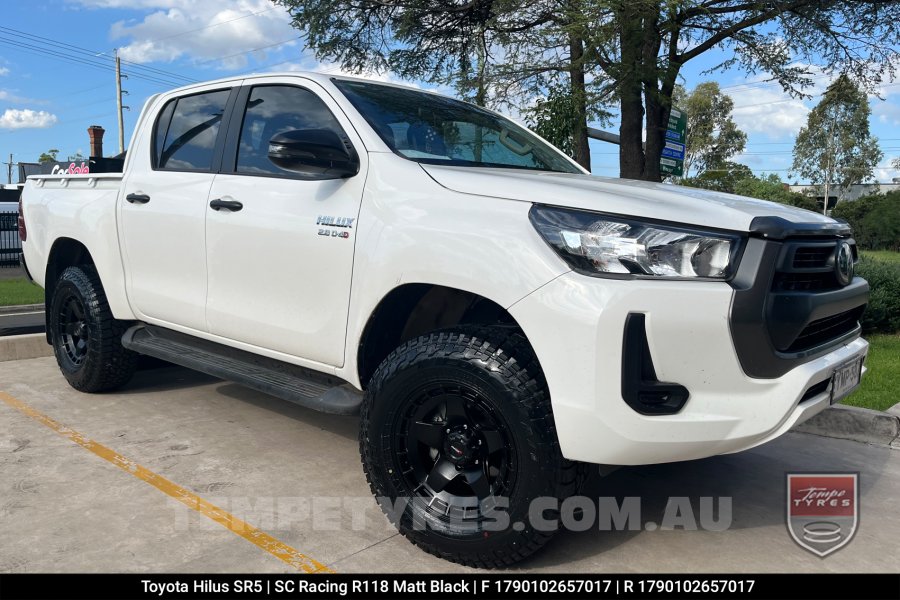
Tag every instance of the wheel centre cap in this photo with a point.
(458, 447)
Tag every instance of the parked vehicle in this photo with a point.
(497, 316)
(10, 247)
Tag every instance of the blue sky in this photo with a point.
(48, 102)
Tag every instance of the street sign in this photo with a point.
(672, 160)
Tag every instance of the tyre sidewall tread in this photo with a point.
(502, 366)
(107, 365)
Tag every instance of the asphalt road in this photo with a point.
(295, 475)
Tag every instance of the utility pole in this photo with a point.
(119, 106)
(9, 167)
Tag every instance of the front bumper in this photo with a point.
(575, 324)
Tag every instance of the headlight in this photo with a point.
(594, 243)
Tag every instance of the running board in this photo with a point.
(318, 391)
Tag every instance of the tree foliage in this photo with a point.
(875, 220)
(48, 156)
(712, 135)
(735, 178)
(835, 147)
(770, 187)
(723, 178)
(626, 51)
(551, 117)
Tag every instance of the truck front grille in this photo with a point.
(812, 257)
(822, 330)
(804, 282)
(789, 305)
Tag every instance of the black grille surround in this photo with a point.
(789, 307)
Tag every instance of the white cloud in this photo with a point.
(200, 30)
(4, 95)
(763, 107)
(132, 4)
(887, 112)
(770, 113)
(26, 119)
(4, 71)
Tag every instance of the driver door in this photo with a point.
(280, 265)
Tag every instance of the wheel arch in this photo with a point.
(66, 252)
(413, 309)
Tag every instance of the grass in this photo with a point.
(883, 255)
(879, 386)
(19, 291)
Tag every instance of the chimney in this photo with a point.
(95, 133)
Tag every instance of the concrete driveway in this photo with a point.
(294, 475)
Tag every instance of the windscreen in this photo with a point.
(433, 129)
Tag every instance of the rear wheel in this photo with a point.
(457, 439)
(86, 338)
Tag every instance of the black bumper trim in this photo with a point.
(641, 390)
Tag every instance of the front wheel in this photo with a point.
(457, 441)
(86, 339)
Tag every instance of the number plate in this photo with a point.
(846, 378)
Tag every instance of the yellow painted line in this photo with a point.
(247, 531)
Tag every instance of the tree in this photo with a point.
(835, 147)
(770, 187)
(490, 50)
(630, 51)
(48, 156)
(875, 220)
(712, 135)
(724, 178)
(738, 179)
(896, 163)
(552, 116)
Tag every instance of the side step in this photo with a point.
(318, 391)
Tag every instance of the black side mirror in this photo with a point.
(316, 153)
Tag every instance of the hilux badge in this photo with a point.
(325, 222)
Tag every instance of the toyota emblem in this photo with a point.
(843, 264)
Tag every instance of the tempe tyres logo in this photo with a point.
(822, 510)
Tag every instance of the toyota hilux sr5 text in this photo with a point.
(497, 316)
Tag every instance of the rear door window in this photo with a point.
(187, 131)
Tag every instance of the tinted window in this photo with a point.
(189, 139)
(274, 109)
(434, 129)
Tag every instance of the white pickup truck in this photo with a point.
(496, 315)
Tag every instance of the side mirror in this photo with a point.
(316, 153)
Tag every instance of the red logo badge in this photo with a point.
(822, 510)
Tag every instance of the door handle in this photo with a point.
(230, 205)
(138, 198)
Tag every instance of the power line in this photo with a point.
(80, 60)
(153, 71)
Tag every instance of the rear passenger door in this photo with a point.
(164, 204)
(280, 265)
